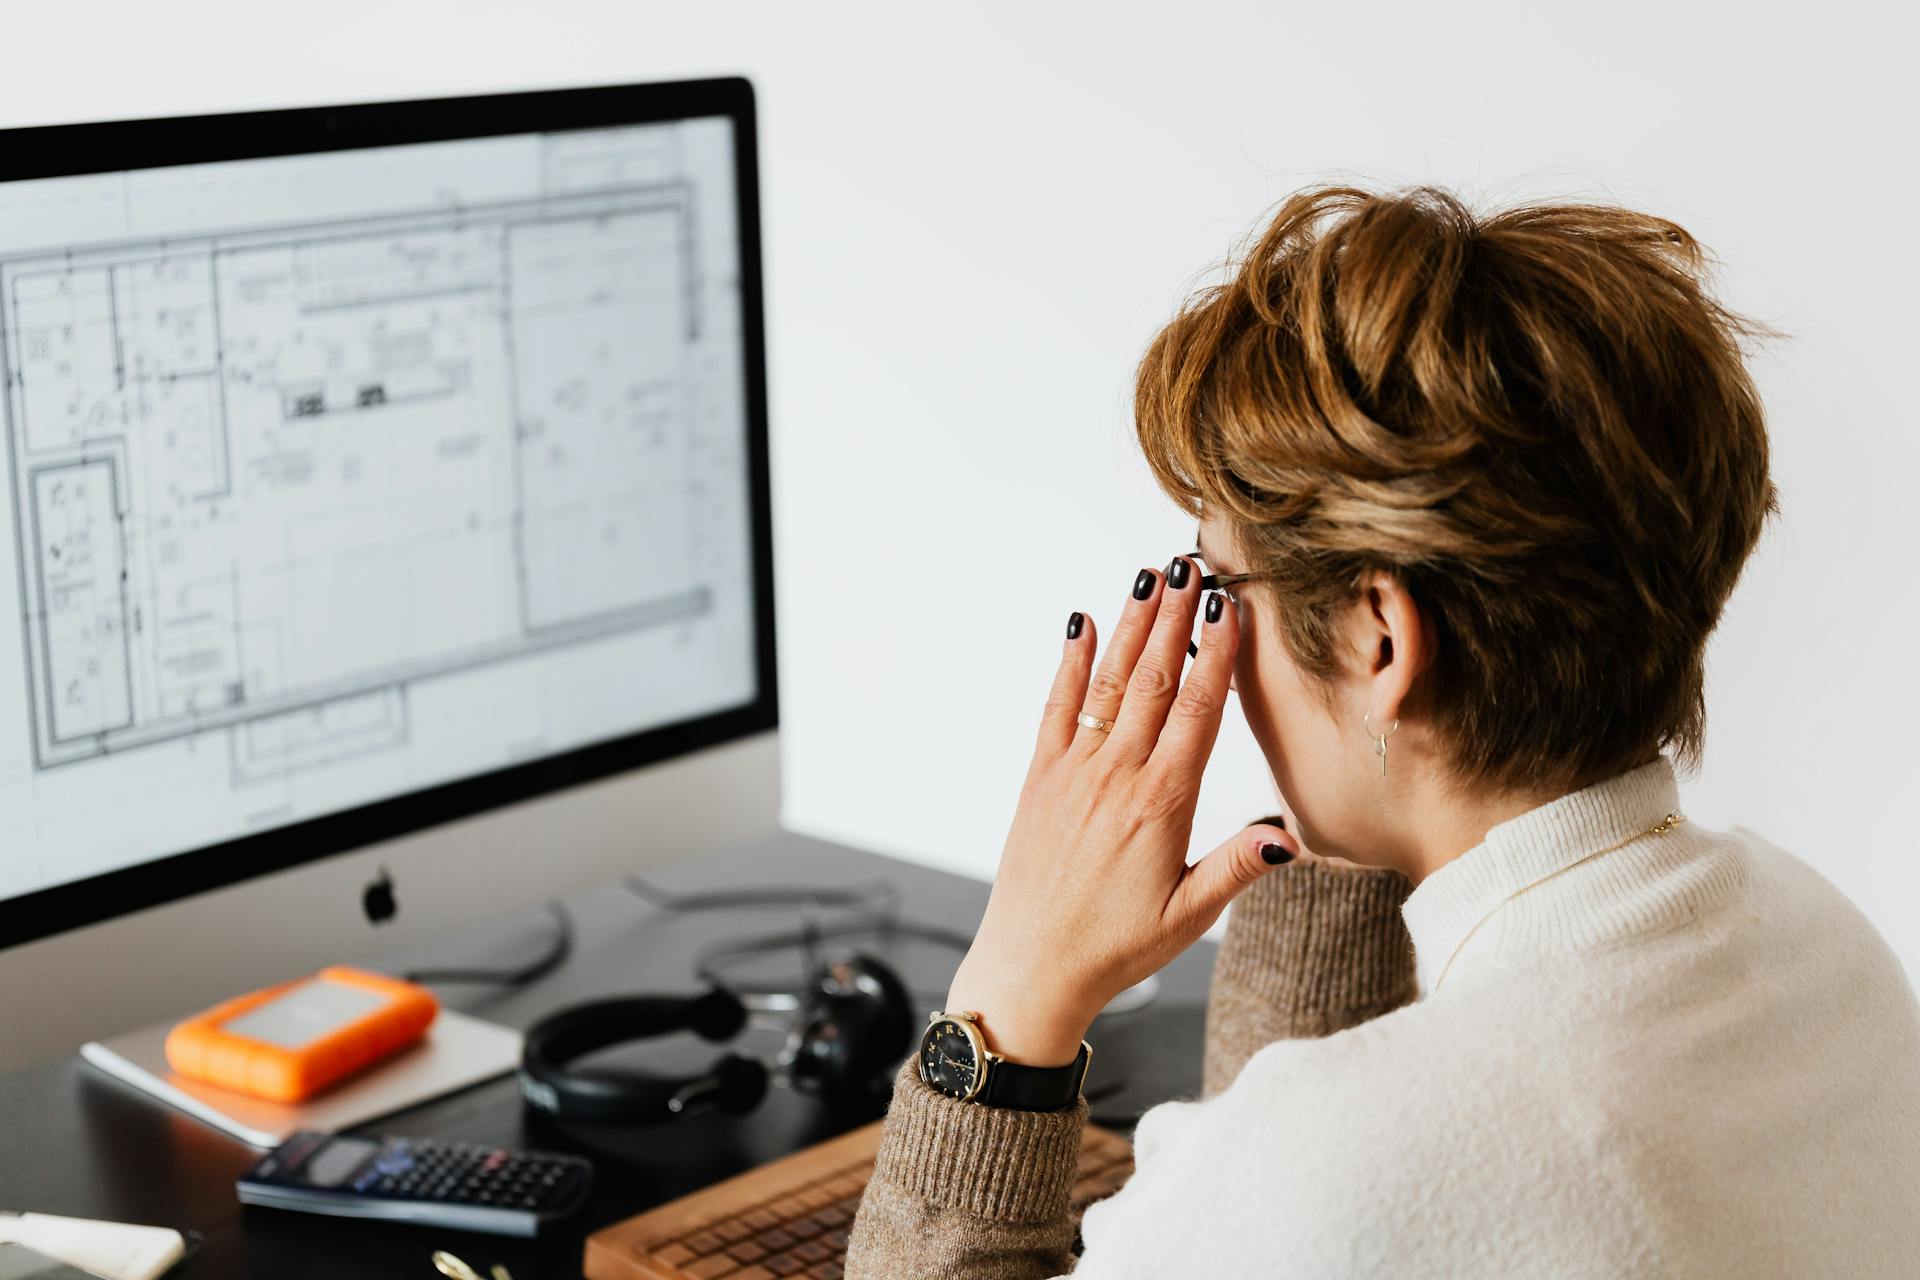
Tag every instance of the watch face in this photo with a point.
(949, 1060)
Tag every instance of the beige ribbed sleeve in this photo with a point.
(963, 1191)
(1311, 949)
(966, 1191)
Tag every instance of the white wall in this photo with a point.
(976, 218)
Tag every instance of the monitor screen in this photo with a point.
(336, 477)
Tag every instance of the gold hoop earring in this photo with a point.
(1379, 739)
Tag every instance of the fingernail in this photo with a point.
(1074, 622)
(1143, 585)
(1215, 606)
(1275, 854)
(1177, 572)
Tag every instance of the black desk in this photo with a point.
(79, 1143)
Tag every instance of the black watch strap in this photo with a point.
(1020, 1088)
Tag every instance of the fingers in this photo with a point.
(1156, 674)
(1214, 881)
(1069, 692)
(1193, 721)
(1109, 684)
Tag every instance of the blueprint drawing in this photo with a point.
(265, 479)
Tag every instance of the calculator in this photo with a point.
(462, 1185)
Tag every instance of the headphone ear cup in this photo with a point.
(739, 1083)
(894, 1029)
(855, 1028)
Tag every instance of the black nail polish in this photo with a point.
(1074, 622)
(1215, 606)
(1177, 573)
(1275, 854)
(1143, 585)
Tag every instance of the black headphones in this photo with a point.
(850, 1029)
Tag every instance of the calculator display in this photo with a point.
(332, 1163)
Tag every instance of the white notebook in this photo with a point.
(457, 1051)
(113, 1250)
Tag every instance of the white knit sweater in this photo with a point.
(1690, 1056)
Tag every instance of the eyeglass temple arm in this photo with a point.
(1213, 582)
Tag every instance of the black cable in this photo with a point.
(890, 925)
(561, 948)
(808, 937)
(555, 955)
(883, 924)
(880, 891)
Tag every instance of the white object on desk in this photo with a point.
(114, 1250)
(457, 1051)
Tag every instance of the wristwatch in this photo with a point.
(954, 1059)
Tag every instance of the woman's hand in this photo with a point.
(1093, 892)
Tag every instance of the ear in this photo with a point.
(1397, 643)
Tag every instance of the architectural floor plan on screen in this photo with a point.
(264, 480)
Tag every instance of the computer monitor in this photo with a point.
(366, 469)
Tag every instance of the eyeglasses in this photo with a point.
(1210, 581)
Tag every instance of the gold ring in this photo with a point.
(1095, 722)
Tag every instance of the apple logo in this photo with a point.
(378, 901)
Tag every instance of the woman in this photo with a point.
(1477, 489)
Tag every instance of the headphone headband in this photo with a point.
(626, 1094)
(853, 1026)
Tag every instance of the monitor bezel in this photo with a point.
(53, 151)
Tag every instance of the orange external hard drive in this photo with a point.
(289, 1042)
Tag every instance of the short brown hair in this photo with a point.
(1538, 420)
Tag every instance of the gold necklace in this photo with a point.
(1659, 828)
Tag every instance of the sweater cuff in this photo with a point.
(988, 1162)
(1323, 946)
